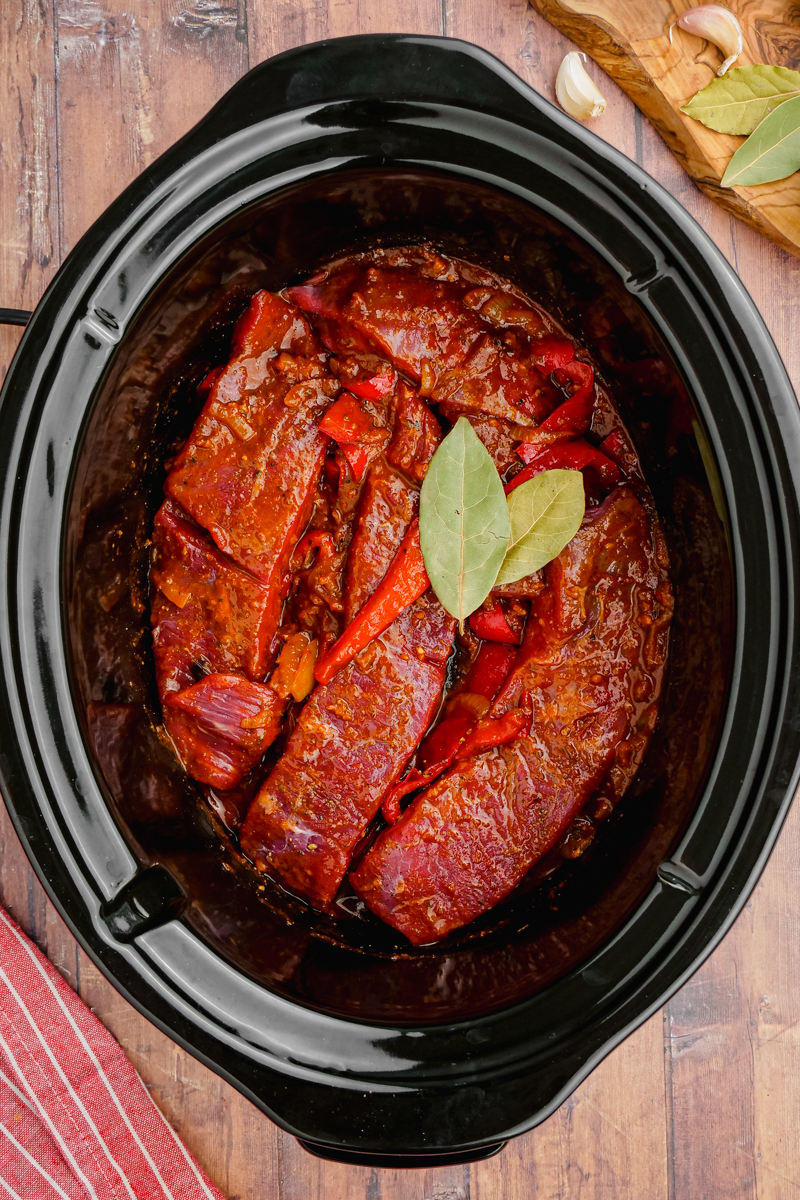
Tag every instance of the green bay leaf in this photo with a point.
(772, 152)
(739, 101)
(463, 521)
(545, 514)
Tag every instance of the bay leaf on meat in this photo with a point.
(463, 521)
(771, 153)
(545, 514)
(738, 101)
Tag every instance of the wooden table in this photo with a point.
(704, 1100)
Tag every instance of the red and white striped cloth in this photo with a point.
(76, 1122)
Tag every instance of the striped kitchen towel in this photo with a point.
(76, 1122)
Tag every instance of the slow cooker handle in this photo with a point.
(379, 73)
(14, 316)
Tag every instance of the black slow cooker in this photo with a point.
(366, 1049)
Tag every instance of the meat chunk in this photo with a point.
(221, 726)
(247, 474)
(416, 435)
(271, 326)
(352, 740)
(468, 840)
(249, 468)
(390, 497)
(496, 381)
(208, 614)
(472, 348)
(410, 318)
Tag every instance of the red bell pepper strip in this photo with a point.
(436, 753)
(569, 419)
(614, 446)
(575, 414)
(390, 807)
(581, 374)
(572, 456)
(550, 353)
(347, 422)
(375, 388)
(358, 458)
(488, 673)
(439, 747)
(497, 731)
(489, 670)
(403, 583)
(483, 681)
(365, 375)
(493, 625)
(589, 456)
(491, 731)
(349, 425)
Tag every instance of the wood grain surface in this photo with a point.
(702, 1102)
(629, 39)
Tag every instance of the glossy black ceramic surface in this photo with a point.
(353, 1042)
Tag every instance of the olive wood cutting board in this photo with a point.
(630, 40)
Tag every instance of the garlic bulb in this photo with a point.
(716, 24)
(576, 92)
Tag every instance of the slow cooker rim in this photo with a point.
(41, 320)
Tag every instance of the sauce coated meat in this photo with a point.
(289, 528)
(468, 840)
(353, 739)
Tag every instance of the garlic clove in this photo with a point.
(716, 24)
(576, 91)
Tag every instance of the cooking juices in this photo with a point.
(426, 768)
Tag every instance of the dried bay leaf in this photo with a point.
(545, 513)
(463, 521)
(772, 152)
(740, 100)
